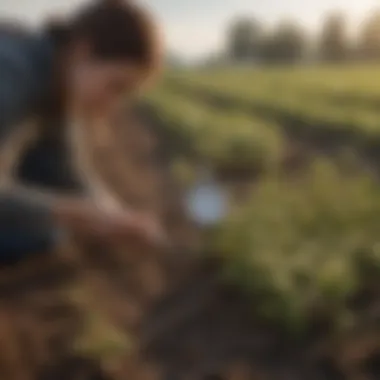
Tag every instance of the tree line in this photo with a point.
(248, 40)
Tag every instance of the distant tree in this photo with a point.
(334, 45)
(369, 38)
(286, 44)
(243, 39)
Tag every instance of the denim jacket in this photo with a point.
(25, 71)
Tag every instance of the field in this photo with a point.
(285, 287)
(302, 244)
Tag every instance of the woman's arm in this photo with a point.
(32, 212)
(22, 210)
(82, 153)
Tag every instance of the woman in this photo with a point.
(80, 70)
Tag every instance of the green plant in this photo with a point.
(294, 247)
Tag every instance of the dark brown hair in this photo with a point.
(115, 30)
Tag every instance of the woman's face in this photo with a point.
(97, 86)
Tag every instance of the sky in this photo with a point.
(193, 28)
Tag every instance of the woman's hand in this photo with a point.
(125, 226)
(85, 218)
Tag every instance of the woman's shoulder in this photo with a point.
(24, 64)
(24, 53)
(14, 37)
(19, 44)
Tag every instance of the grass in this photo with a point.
(100, 338)
(223, 139)
(314, 100)
(297, 245)
(340, 80)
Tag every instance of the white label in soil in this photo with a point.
(206, 203)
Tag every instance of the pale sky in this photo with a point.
(194, 27)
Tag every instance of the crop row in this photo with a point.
(224, 139)
(357, 85)
(317, 121)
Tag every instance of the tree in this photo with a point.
(369, 38)
(243, 39)
(286, 43)
(334, 43)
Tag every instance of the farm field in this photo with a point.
(224, 139)
(287, 285)
(327, 105)
(304, 245)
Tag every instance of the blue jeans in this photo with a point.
(17, 245)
